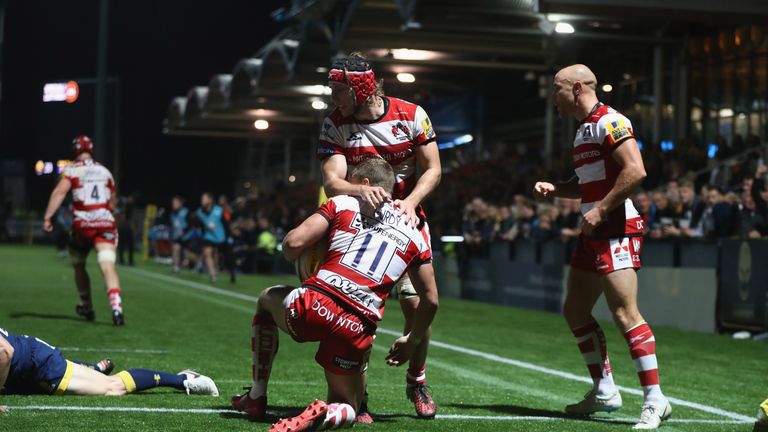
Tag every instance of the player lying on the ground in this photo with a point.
(369, 250)
(29, 365)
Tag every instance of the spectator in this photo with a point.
(266, 245)
(569, 219)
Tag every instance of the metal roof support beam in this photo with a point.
(467, 64)
(341, 23)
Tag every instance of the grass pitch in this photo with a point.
(491, 368)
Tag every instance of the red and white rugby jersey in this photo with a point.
(596, 139)
(393, 137)
(92, 188)
(366, 255)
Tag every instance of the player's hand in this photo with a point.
(47, 225)
(373, 195)
(401, 351)
(593, 219)
(543, 191)
(407, 209)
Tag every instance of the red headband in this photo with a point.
(362, 83)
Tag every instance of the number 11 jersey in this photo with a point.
(367, 254)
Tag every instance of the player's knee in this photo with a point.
(106, 256)
(77, 259)
(115, 387)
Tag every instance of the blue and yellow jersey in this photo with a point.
(36, 366)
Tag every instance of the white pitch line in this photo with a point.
(119, 350)
(439, 416)
(468, 351)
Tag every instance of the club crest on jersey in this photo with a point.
(400, 127)
(617, 129)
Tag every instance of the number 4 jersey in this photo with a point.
(367, 254)
(92, 189)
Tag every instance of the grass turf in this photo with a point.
(173, 324)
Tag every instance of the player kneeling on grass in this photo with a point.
(369, 250)
(29, 365)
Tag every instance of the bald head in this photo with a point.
(578, 73)
(574, 91)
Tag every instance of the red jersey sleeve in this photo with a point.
(423, 132)
(327, 210)
(330, 142)
(614, 129)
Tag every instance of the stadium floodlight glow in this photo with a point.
(607, 88)
(406, 77)
(413, 54)
(564, 28)
(39, 166)
(261, 124)
(291, 178)
(61, 92)
(452, 239)
(319, 105)
(290, 43)
(726, 112)
(321, 69)
(314, 90)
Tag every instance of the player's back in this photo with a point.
(92, 190)
(367, 253)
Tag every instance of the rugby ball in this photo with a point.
(308, 263)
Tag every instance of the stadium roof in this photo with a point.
(448, 44)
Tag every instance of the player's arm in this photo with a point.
(632, 174)
(57, 197)
(428, 159)
(305, 235)
(6, 354)
(335, 182)
(423, 279)
(543, 191)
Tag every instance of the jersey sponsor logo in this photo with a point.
(325, 149)
(617, 129)
(355, 136)
(352, 290)
(635, 242)
(345, 364)
(426, 126)
(584, 155)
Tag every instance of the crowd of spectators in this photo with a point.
(254, 225)
(686, 194)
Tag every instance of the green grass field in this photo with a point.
(491, 368)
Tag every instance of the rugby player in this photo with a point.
(29, 365)
(608, 169)
(364, 123)
(93, 200)
(369, 249)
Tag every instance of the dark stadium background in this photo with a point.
(157, 49)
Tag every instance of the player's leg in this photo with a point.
(106, 257)
(83, 282)
(269, 316)
(176, 256)
(81, 380)
(416, 376)
(209, 254)
(621, 296)
(583, 290)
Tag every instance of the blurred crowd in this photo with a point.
(240, 235)
(686, 194)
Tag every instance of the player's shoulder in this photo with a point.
(399, 107)
(606, 114)
(345, 202)
(337, 119)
